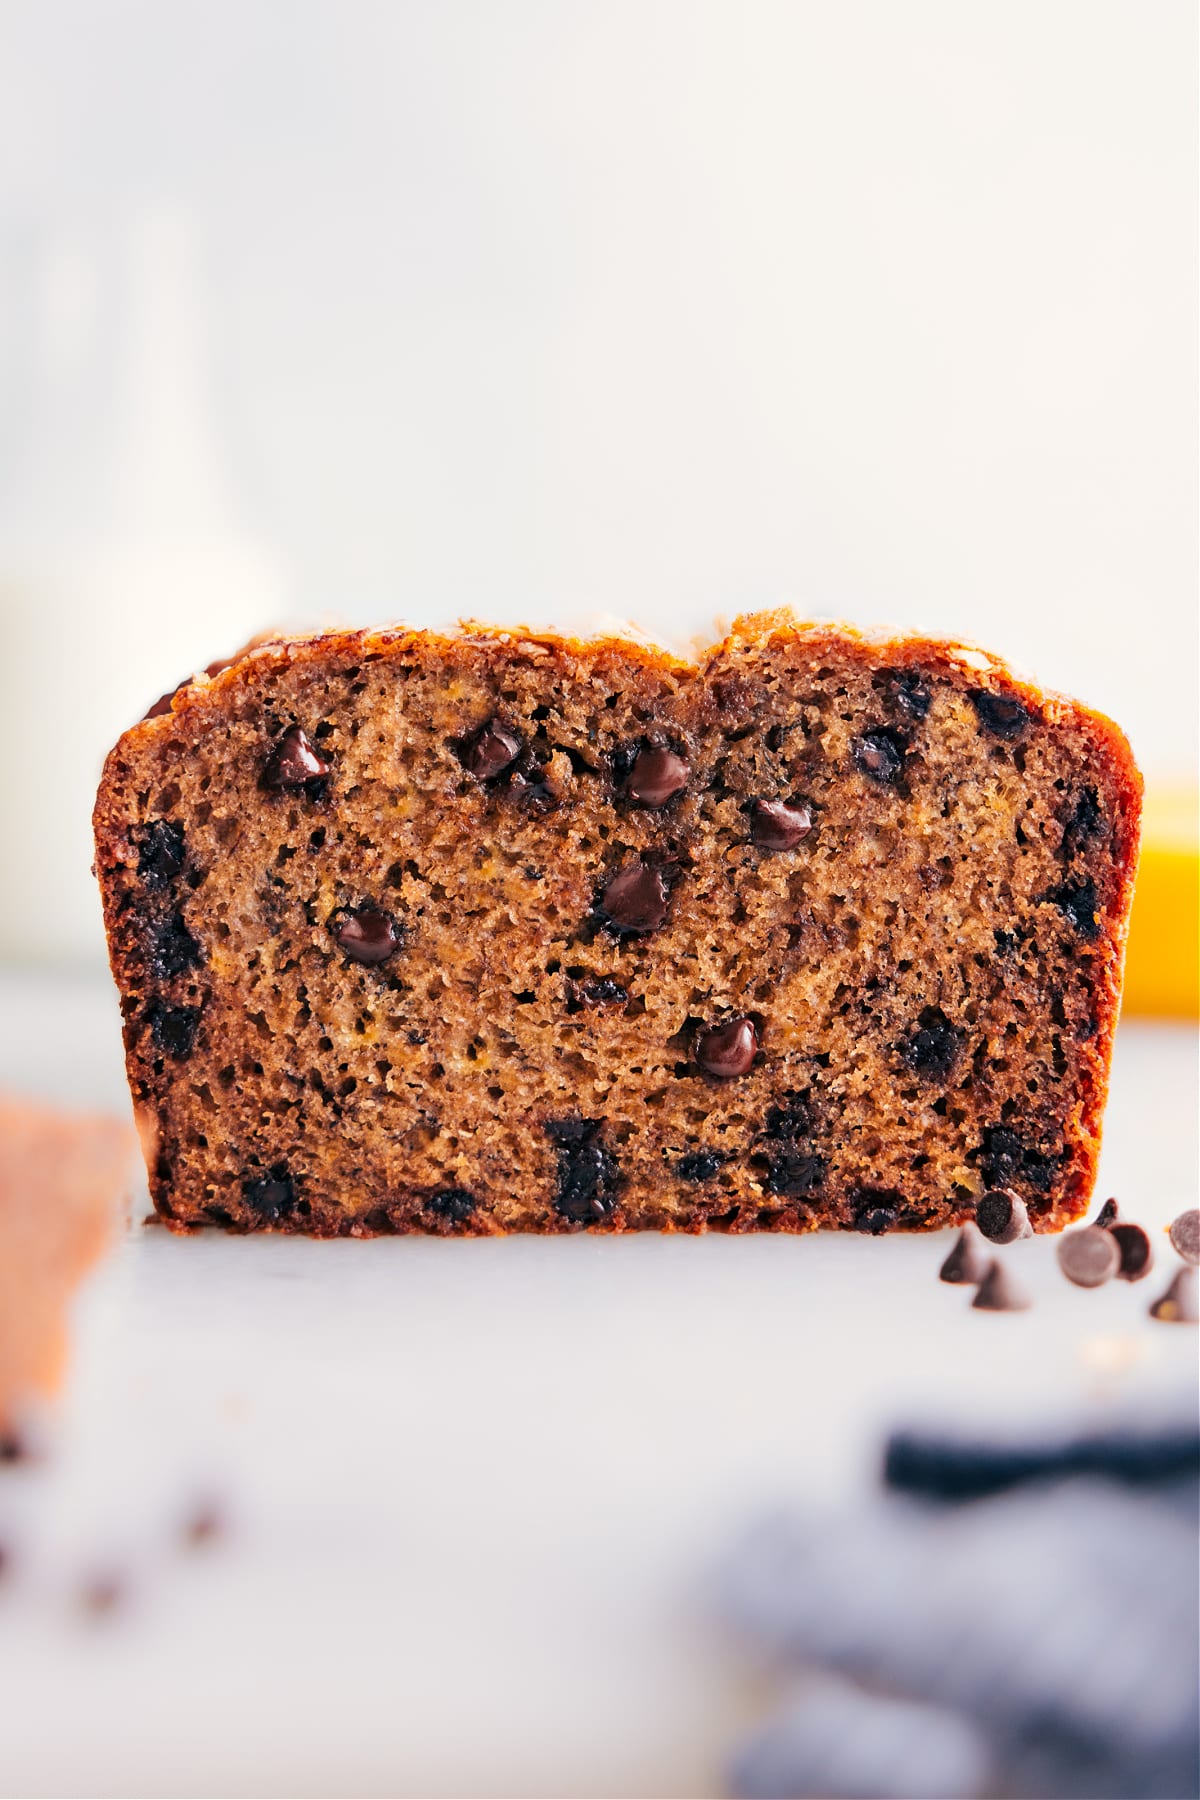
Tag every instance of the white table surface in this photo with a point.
(473, 1490)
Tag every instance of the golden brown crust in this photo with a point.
(951, 850)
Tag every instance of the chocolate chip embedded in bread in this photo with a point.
(1136, 1251)
(777, 826)
(880, 756)
(588, 1172)
(1002, 1216)
(270, 1197)
(700, 1165)
(636, 898)
(368, 934)
(1079, 904)
(1089, 1257)
(173, 1028)
(1185, 1235)
(968, 1261)
(934, 1046)
(656, 777)
(293, 762)
(999, 1292)
(491, 750)
(456, 1205)
(161, 851)
(1000, 715)
(173, 949)
(728, 1049)
(1179, 1305)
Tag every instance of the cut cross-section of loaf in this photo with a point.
(500, 932)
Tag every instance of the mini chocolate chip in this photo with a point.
(272, 1196)
(1108, 1216)
(293, 763)
(636, 898)
(909, 692)
(454, 1204)
(368, 935)
(1089, 1257)
(792, 1174)
(880, 755)
(1136, 1250)
(161, 852)
(700, 1165)
(934, 1047)
(998, 1292)
(1002, 1217)
(491, 750)
(588, 1174)
(656, 777)
(1000, 714)
(777, 826)
(727, 1049)
(968, 1261)
(174, 950)
(1080, 904)
(1185, 1235)
(603, 991)
(1179, 1305)
(173, 1028)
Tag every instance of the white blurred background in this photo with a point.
(340, 309)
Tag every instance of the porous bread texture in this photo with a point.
(929, 976)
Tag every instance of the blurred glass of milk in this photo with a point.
(123, 566)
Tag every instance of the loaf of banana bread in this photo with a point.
(496, 931)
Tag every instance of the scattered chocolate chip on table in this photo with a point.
(1185, 1235)
(1179, 1305)
(1088, 1257)
(968, 1261)
(1000, 1291)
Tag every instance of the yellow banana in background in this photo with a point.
(1162, 971)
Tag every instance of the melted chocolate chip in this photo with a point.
(293, 763)
(1180, 1305)
(876, 1212)
(491, 750)
(880, 756)
(453, 1204)
(1086, 821)
(792, 1118)
(161, 851)
(636, 898)
(271, 1196)
(173, 949)
(1000, 714)
(173, 1028)
(777, 826)
(968, 1261)
(603, 991)
(588, 1174)
(368, 935)
(656, 777)
(1080, 905)
(700, 1165)
(1185, 1235)
(998, 1292)
(934, 1047)
(909, 692)
(792, 1174)
(1088, 1257)
(728, 1049)
(1135, 1250)
(1005, 1160)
